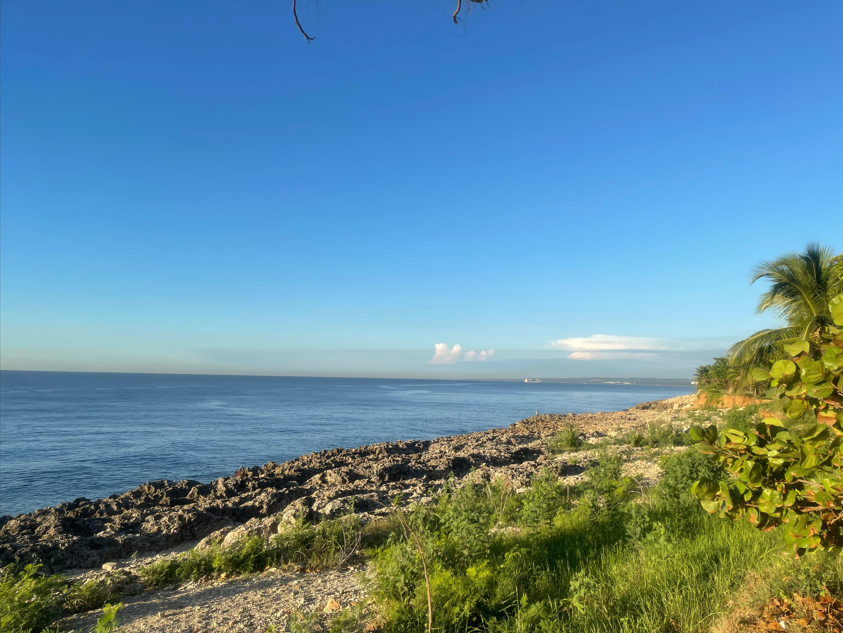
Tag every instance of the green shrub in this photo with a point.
(743, 420)
(582, 571)
(793, 474)
(545, 498)
(108, 622)
(607, 486)
(354, 619)
(29, 601)
(97, 592)
(655, 436)
(566, 441)
(681, 471)
(325, 544)
(304, 623)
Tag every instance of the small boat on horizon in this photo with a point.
(532, 380)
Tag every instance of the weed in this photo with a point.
(566, 441)
(108, 622)
(743, 420)
(96, 592)
(301, 623)
(28, 600)
(545, 498)
(354, 619)
(680, 471)
(326, 544)
(643, 567)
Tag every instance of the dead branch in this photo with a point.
(298, 24)
(455, 13)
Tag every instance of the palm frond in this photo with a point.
(763, 347)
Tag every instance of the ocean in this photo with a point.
(69, 435)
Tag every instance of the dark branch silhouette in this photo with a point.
(298, 24)
(457, 12)
(454, 17)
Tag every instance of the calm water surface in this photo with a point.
(66, 435)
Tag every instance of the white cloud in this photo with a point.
(612, 355)
(445, 355)
(613, 347)
(612, 343)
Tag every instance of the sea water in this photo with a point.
(69, 435)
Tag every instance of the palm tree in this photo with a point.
(801, 287)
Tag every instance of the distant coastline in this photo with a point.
(647, 382)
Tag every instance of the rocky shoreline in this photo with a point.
(161, 515)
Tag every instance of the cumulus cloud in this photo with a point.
(445, 355)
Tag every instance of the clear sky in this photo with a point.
(581, 186)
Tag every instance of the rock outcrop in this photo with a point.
(159, 515)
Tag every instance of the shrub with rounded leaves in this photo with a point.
(786, 475)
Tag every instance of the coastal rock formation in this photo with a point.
(160, 515)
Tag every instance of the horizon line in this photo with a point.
(368, 377)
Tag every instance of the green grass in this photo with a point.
(567, 440)
(600, 557)
(326, 544)
(28, 600)
(614, 562)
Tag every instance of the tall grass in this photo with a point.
(596, 558)
(613, 563)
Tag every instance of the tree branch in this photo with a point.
(298, 24)
(457, 12)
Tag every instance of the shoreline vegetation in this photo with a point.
(720, 513)
(578, 522)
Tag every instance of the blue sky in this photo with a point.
(189, 187)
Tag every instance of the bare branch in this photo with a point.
(298, 24)
(454, 15)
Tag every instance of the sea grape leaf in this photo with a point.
(836, 307)
(782, 368)
(797, 347)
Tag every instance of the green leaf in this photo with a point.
(760, 374)
(734, 436)
(711, 506)
(772, 422)
(820, 391)
(836, 307)
(770, 500)
(797, 390)
(812, 370)
(798, 347)
(796, 409)
(727, 497)
(751, 473)
(782, 368)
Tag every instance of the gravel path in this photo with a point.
(240, 605)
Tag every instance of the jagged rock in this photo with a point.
(263, 528)
(162, 514)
